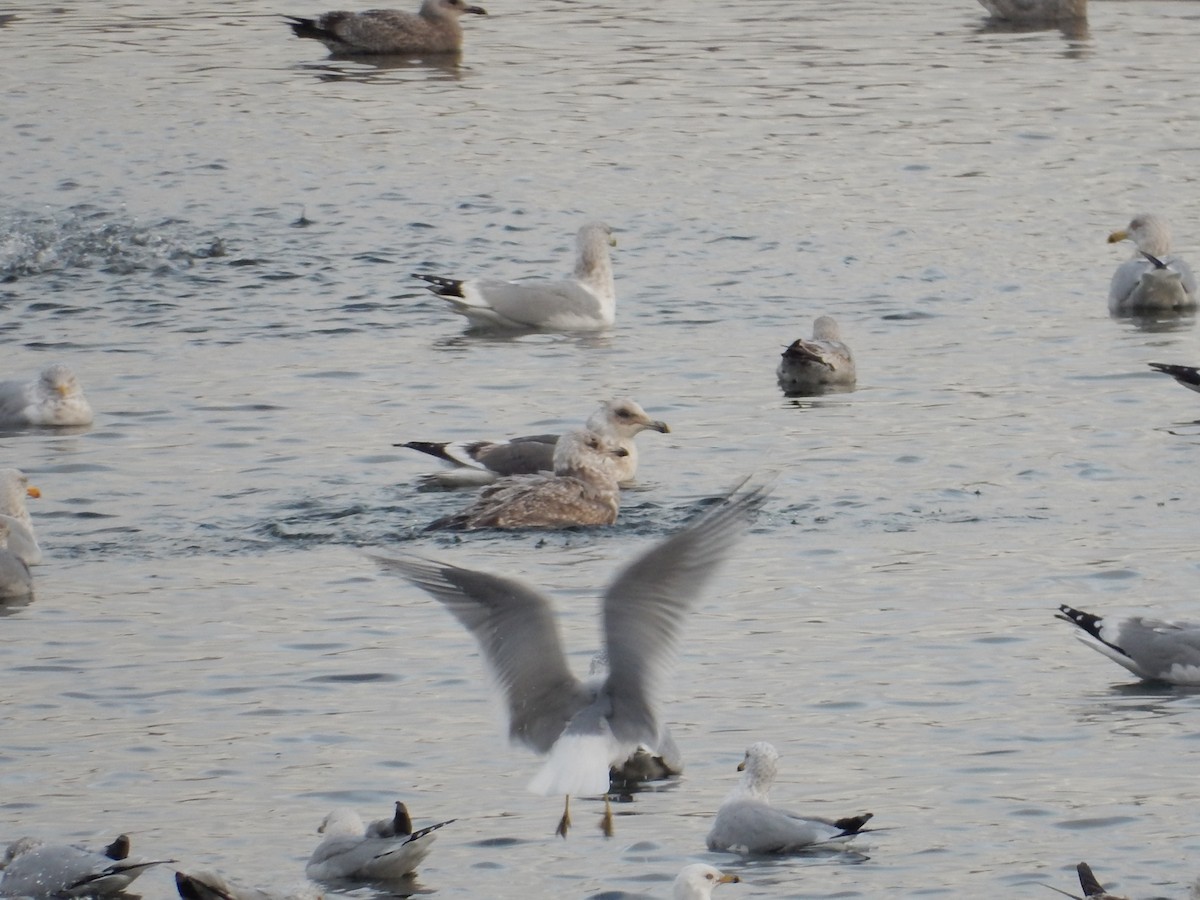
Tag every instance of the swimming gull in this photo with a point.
(211, 886)
(748, 823)
(817, 365)
(54, 399)
(584, 728)
(482, 462)
(14, 488)
(1188, 376)
(433, 29)
(1154, 280)
(582, 491)
(15, 580)
(1151, 649)
(44, 871)
(348, 852)
(585, 302)
(1036, 12)
(697, 881)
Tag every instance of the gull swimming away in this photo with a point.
(350, 852)
(1188, 376)
(14, 488)
(585, 302)
(697, 882)
(747, 822)
(44, 871)
(585, 728)
(54, 399)
(1036, 12)
(15, 581)
(433, 29)
(482, 462)
(1154, 280)
(817, 365)
(1151, 649)
(211, 886)
(582, 491)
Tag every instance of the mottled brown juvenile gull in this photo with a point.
(817, 365)
(697, 881)
(585, 302)
(748, 823)
(50, 871)
(433, 29)
(348, 852)
(14, 488)
(1151, 649)
(54, 399)
(211, 886)
(482, 462)
(582, 491)
(1188, 376)
(1036, 12)
(585, 728)
(1154, 280)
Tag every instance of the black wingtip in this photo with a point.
(1087, 881)
(1158, 263)
(429, 830)
(854, 824)
(443, 287)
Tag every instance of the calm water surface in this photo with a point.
(214, 224)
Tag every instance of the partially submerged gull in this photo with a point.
(55, 398)
(351, 851)
(816, 365)
(1154, 280)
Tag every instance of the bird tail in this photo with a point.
(443, 287)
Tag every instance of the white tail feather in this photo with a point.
(577, 764)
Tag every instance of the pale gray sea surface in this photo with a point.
(215, 224)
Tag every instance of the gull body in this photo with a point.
(1152, 649)
(14, 489)
(211, 886)
(55, 398)
(15, 580)
(585, 302)
(482, 462)
(817, 365)
(44, 871)
(432, 29)
(747, 822)
(1154, 280)
(349, 852)
(584, 728)
(1036, 12)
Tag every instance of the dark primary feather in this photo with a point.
(443, 287)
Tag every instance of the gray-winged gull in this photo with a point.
(348, 852)
(585, 728)
(1188, 376)
(482, 462)
(585, 302)
(53, 399)
(747, 822)
(45, 871)
(1154, 280)
(1152, 649)
(14, 488)
(582, 491)
(211, 886)
(1036, 12)
(433, 29)
(817, 365)
(15, 580)
(697, 882)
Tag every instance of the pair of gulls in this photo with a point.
(18, 545)
(545, 480)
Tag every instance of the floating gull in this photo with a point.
(747, 823)
(14, 488)
(482, 462)
(433, 29)
(585, 302)
(1036, 12)
(585, 728)
(1154, 280)
(49, 871)
(582, 491)
(811, 367)
(54, 399)
(350, 852)
(1149, 648)
(211, 886)
(1188, 376)
(697, 881)
(15, 580)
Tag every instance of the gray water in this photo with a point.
(214, 224)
